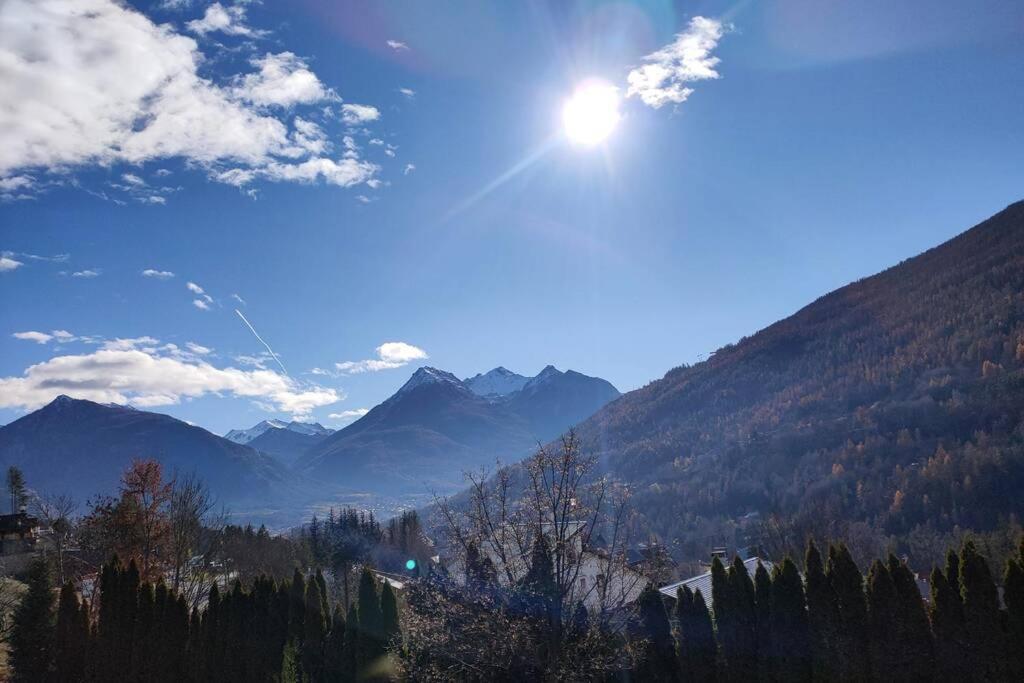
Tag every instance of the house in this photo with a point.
(702, 582)
(18, 533)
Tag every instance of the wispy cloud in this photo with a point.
(33, 336)
(397, 45)
(158, 274)
(665, 75)
(409, 168)
(408, 92)
(347, 416)
(201, 304)
(87, 273)
(390, 355)
(355, 114)
(8, 264)
(227, 20)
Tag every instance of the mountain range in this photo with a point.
(421, 437)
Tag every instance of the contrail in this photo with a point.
(257, 334)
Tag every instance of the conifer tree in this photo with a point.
(1013, 597)
(142, 636)
(371, 641)
(822, 617)
(847, 584)
(703, 651)
(297, 608)
(763, 600)
(350, 655)
(70, 643)
(290, 672)
(724, 611)
(947, 620)
(883, 644)
(212, 643)
(912, 627)
(31, 641)
(741, 653)
(580, 621)
(790, 638)
(335, 667)
(656, 657)
(312, 650)
(390, 628)
(984, 637)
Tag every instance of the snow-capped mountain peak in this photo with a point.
(429, 375)
(498, 382)
(244, 436)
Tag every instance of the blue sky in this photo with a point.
(835, 142)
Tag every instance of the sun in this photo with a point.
(592, 113)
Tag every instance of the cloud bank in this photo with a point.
(94, 82)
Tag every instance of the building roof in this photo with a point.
(702, 582)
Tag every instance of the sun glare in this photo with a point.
(592, 113)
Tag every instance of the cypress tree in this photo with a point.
(763, 600)
(981, 615)
(371, 642)
(127, 608)
(847, 584)
(702, 649)
(656, 659)
(142, 656)
(947, 620)
(1013, 597)
(822, 617)
(350, 655)
(297, 608)
(212, 645)
(539, 596)
(790, 638)
(724, 611)
(739, 648)
(70, 641)
(883, 645)
(580, 621)
(290, 672)
(334, 650)
(389, 616)
(312, 650)
(31, 640)
(913, 630)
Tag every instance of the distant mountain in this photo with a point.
(81, 448)
(286, 441)
(896, 402)
(436, 426)
(497, 382)
(245, 436)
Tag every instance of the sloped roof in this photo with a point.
(702, 582)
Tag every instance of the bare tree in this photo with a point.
(56, 514)
(193, 536)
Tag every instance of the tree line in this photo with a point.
(286, 632)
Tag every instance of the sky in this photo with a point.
(236, 211)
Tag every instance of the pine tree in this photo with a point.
(1013, 597)
(315, 620)
(883, 645)
(847, 583)
(913, 630)
(297, 608)
(650, 630)
(70, 643)
(371, 641)
(212, 639)
(790, 637)
(822, 617)
(145, 625)
(31, 639)
(350, 655)
(763, 599)
(984, 637)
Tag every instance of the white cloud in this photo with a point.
(238, 298)
(349, 415)
(87, 273)
(194, 288)
(158, 274)
(310, 136)
(129, 371)
(408, 92)
(409, 168)
(7, 264)
(133, 179)
(37, 337)
(198, 348)
(389, 355)
(95, 82)
(397, 45)
(663, 78)
(63, 336)
(227, 20)
(355, 114)
(201, 304)
(283, 80)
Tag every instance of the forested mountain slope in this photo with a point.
(896, 401)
